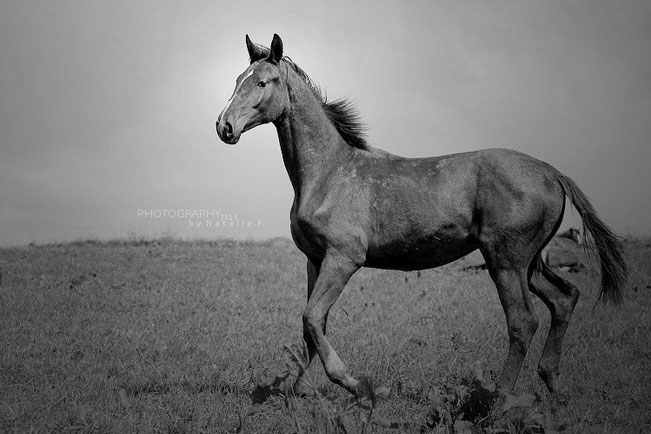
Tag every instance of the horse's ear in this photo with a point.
(276, 52)
(256, 52)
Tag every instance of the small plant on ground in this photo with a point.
(470, 405)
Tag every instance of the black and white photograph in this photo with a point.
(325, 217)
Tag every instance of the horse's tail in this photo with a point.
(614, 267)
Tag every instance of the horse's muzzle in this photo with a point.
(226, 133)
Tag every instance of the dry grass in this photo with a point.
(173, 336)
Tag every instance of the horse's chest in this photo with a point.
(308, 234)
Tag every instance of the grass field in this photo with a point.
(173, 336)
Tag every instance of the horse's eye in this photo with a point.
(262, 84)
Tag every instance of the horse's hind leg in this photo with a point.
(560, 297)
(521, 320)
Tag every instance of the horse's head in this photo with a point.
(260, 95)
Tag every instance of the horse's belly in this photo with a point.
(418, 255)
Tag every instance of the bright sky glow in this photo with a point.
(108, 109)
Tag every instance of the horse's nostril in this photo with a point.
(228, 130)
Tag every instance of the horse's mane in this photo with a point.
(341, 112)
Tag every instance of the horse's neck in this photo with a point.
(308, 140)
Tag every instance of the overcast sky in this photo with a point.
(108, 109)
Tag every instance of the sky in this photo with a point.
(108, 109)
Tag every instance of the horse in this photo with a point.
(564, 251)
(358, 206)
(571, 234)
(565, 254)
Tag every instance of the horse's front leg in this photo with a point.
(300, 386)
(333, 275)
